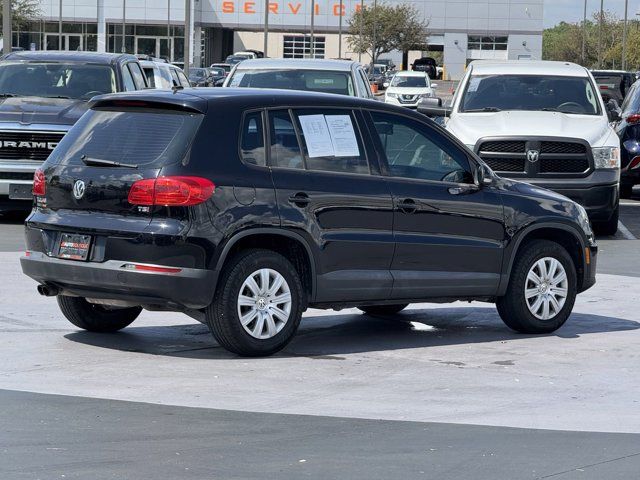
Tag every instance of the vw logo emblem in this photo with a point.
(78, 189)
(533, 155)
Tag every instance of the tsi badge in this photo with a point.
(78, 189)
(533, 155)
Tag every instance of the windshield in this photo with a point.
(60, 80)
(198, 73)
(142, 138)
(403, 81)
(574, 95)
(307, 80)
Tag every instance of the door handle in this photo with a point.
(408, 205)
(300, 199)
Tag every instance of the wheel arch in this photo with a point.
(291, 245)
(566, 235)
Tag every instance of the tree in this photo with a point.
(22, 11)
(397, 27)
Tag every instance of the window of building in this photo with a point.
(487, 43)
(299, 46)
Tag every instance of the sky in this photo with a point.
(556, 11)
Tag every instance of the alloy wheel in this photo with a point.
(546, 288)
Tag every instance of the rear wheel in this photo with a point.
(96, 318)
(258, 304)
(383, 309)
(541, 291)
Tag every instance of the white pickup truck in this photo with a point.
(544, 123)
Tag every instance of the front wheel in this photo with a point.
(383, 309)
(96, 318)
(542, 289)
(258, 304)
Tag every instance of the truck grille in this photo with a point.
(533, 157)
(26, 145)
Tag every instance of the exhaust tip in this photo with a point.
(48, 290)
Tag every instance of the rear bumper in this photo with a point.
(188, 288)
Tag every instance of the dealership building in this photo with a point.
(462, 30)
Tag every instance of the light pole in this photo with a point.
(124, 20)
(266, 27)
(340, 32)
(360, 33)
(584, 35)
(7, 35)
(624, 35)
(169, 29)
(600, 34)
(313, 17)
(373, 35)
(60, 26)
(187, 36)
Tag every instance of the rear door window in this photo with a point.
(138, 137)
(184, 81)
(127, 80)
(138, 76)
(252, 142)
(331, 141)
(284, 149)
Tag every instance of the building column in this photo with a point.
(102, 27)
(197, 46)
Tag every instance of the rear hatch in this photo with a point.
(88, 177)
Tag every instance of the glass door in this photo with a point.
(73, 42)
(70, 41)
(165, 48)
(147, 46)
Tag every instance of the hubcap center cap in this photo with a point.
(261, 303)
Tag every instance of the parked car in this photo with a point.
(426, 64)
(218, 74)
(376, 75)
(353, 203)
(328, 76)
(234, 59)
(200, 77)
(42, 95)
(628, 129)
(163, 75)
(408, 88)
(542, 122)
(225, 66)
(613, 84)
(387, 62)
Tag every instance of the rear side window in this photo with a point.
(138, 76)
(252, 142)
(284, 148)
(140, 137)
(151, 78)
(127, 80)
(331, 141)
(184, 81)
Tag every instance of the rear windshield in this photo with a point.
(58, 80)
(306, 80)
(574, 95)
(143, 138)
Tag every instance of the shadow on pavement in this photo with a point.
(327, 336)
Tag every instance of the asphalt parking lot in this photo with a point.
(440, 392)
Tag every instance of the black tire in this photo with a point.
(383, 309)
(626, 191)
(96, 318)
(222, 315)
(608, 227)
(513, 308)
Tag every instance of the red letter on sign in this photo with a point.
(248, 7)
(296, 9)
(273, 8)
(336, 10)
(227, 7)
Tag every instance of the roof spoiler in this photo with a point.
(168, 102)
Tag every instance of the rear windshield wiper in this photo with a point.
(98, 162)
(485, 109)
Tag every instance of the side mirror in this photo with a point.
(432, 107)
(481, 176)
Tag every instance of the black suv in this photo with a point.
(244, 207)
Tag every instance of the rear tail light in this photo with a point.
(635, 163)
(635, 118)
(39, 183)
(171, 191)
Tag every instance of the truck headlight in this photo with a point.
(392, 95)
(606, 157)
(425, 95)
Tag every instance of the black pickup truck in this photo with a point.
(42, 94)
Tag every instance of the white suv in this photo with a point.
(408, 88)
(544, 123)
